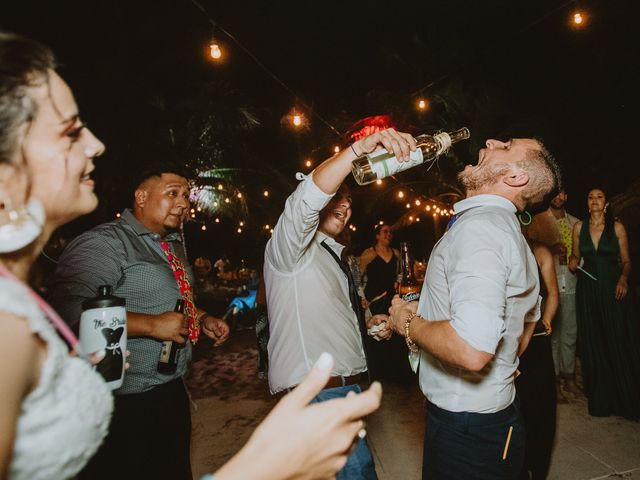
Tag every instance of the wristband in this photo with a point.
(411, 345)
(354, 151)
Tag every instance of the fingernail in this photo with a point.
(324, 362)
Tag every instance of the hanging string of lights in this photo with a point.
(215, 202)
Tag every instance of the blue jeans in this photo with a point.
(461, 445)
(360, 462)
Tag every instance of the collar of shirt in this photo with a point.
(330, 241)
(484, 200)
(140, 229)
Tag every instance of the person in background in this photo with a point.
(142, 257)
(553, 228)
(607, 322)
(480, 290)
(536, 385)
(380, 265)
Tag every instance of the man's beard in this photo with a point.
(474, 180)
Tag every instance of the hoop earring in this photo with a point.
(23, 227)
(521, 218)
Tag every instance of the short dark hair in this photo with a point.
(545, 178)
(24, 63)
(158, 169)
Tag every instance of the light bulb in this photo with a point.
(336, 149)
(265, 193)
(297, 120)
(308, 163)
(214, 50)
(400, 194)
(239, 230)
(204, 227)
(422, 104)
(417, 203)
(577, 18)
(408, 205)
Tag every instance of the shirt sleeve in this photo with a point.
(477, 274)
(296, 226)
(89, 261)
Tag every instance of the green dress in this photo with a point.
(607, 331)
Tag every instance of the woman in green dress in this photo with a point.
(607, 327)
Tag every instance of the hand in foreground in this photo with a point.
(401, 144)
(398, 313)
(379, 328)
(621, 288)
(302, 441)
(170, 326)
(216, 329)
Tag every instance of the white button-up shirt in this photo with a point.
(307, 295)
(482, 277)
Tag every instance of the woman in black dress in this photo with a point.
(388, 359)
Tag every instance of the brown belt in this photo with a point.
(335, 382)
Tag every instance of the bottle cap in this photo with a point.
(104, 299)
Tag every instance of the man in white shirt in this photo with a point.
(480, 291)
(308, 295)
(553, 228)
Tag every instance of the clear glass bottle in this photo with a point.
(380, 164)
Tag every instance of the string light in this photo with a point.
(427, 208)
(336, 149)
(378, 182)
(422, 104)
(199, 209)
(219, 186)
(204, 227)
(381, 222)
(192, 210)
(241, 224)
(308, 163)
(227, 200)
(118, 215)
(417, 203)
(411, 218)
(400, 194)
(193, 215)
(217, 220)
(239, 195)
(297, 120)
(408, 205)
(271, 231)
(215, 51)
(266, 227)
(265, 193)
(417, 219)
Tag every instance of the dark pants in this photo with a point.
(536, 387)
(148, 437)
(472, 445)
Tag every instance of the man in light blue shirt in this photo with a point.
(477, 310)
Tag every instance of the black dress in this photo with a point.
(536, 389)
(388, 359)
(607, 331)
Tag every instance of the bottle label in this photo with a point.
(410, 297)
(166, 350)
(385, 164)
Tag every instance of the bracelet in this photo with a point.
(411, 345)
(207, 476)
(354, 151)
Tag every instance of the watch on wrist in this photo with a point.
(411, 345)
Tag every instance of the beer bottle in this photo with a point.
(408, 286)
(168, 362)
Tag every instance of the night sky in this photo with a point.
(142, 78)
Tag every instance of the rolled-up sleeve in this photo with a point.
(478, 273)
(296, 226)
